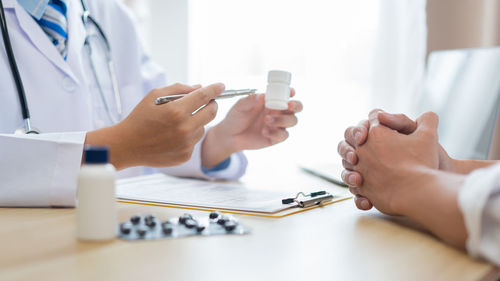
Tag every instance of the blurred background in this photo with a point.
(346, 57)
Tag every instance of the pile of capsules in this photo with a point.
(149, 227)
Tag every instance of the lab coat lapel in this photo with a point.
(40, 40)
(77, 33)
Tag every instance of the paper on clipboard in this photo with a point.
(164, 189)
(229, 197)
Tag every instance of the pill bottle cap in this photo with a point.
(96, 155)
(279, 76)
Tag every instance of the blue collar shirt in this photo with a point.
(35, 8)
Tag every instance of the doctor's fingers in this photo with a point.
(281, 121)
(196, 99)
(204, 115)
(174, 89)
(294, 106)
(352, 178)
(275, 135)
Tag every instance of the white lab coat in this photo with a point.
(64, 102)
(479, 201)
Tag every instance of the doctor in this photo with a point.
(87, 80)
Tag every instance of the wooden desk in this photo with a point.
(336, 242)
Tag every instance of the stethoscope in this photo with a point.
(87, 19)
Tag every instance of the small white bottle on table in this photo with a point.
(278, 89)
(96, 203)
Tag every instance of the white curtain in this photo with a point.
(399, 55)
(141, 11)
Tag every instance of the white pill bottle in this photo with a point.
(278, 89)
(96, 203)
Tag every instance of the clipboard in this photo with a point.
(227, 197)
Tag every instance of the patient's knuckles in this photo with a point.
(375, 133)
(342, 149)
(339, 148)
(374, 111)
(348, 133)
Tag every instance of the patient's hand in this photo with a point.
(390, 162)
(357, 135)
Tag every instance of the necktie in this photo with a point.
(55, 24)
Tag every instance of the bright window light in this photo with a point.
(327, 45)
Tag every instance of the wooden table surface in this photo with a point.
(336, 242)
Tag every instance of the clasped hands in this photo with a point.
(386, 157)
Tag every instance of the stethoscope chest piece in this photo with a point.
(27, 129)
(22, 131)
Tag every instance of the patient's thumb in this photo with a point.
(398, 122)
(427, 122)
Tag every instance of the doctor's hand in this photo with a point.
(248, 125)
(160, 135)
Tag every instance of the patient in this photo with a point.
(397, 165)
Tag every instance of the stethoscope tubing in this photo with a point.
(13, 66)
(86, 17)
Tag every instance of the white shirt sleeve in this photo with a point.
(479, 201)
(40, 170)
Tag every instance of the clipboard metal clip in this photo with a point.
(308, 200)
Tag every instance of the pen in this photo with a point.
(225, 95)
